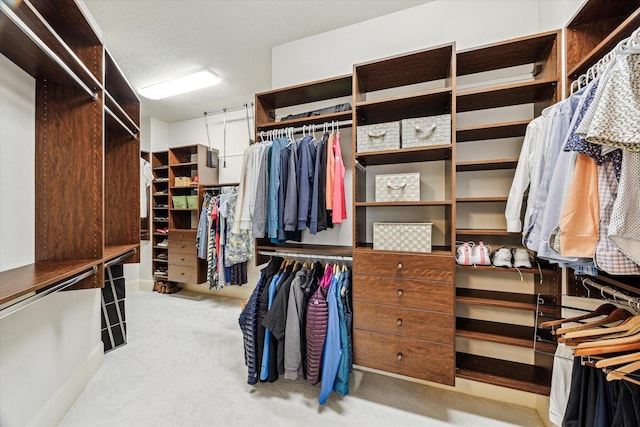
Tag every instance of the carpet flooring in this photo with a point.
(183, 365)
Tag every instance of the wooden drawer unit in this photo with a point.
(419, 294)
(178, 258)
(405, 322)
(183, 273)
(405, 356)
(182, 241)
(414, 266)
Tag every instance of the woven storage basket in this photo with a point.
(192, 202)
(402, 236)
(400, 187)
(422, 131)
(179, 202)
(378, 137)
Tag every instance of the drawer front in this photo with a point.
(413, 358)
(186, 236)
(419, 294)
(183, 274)
(186, 259)
(404, 322)
(181, 242)
(431, 267)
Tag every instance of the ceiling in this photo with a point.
(154, 40)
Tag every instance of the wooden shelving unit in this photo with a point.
(92, 124)
(481, 165)
(160, 213)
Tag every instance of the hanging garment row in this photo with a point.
(226, 251)
(584, 388)
(580, 161)
(289, 185)
(298, 323)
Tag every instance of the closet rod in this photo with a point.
(120, 258)
(120, 122)
(602, 62)
(124, 113)
(6, 311)
(631, 301)
(306, 128)
(230, 109)
(4, 8)
(286, 254)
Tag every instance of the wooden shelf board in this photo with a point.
(405, 69)
(183, 210)
(493, 269)
(182, 187)
(506, 95)
(484, 232)
(406, 155)
(482, 165)
(116, 109)
(481, 199)
(509, 53)
(184, 164)
(335, 87)
(364, 249)
(160, 168)
(165, 261)
(114, 251)
(392, 204)
(610, 42)
(501, 333)
(262, 244)
(492, 131)
(427, 103)
(599, 10)
(20, 281)
(500, 299)
(160, 247)
(519, 376)
(314, 120)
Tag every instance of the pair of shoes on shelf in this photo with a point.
(511, 257)
(162, 256)
(161, 218)
(164, 243)
(470, 253)
(164, 287)
(163, 230)
(195, 180)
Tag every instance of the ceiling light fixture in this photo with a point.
(180, 85)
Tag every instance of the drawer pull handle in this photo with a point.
(400, 293)
(400, 266)
(399, 356)
(399, 322)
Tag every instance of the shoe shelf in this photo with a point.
(160, 165)
(520, 376)
(502, 299)
(481, 165)
(503, 333)
(484, 232)
(512, 270)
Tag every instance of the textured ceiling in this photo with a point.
(153, 40)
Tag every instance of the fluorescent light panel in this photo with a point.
(180, 85)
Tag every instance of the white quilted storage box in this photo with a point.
(423, 131)
(399, 187)
(378, 137)
(402, 236)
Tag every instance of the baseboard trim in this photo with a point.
(58, 405)
(144, 285)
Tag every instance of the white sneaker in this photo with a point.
(502, 257)
(481, 254)
(521, 258)
(464, 253)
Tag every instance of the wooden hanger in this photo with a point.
(618, 360)
(602, 310)
(604, 348)
(628, 327)
(612, 341)
(615, 316)
(622, 372)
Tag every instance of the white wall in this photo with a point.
(44, 346)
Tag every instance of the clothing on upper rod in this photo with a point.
(580, 162)
(289, 185)
(298, 322)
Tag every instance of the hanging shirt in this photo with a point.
(307, 158)
(316, 193)
(259, 218)
(146, 178)
(624, 229)
(331, 171)
(274, 186)
(339, 204)
(332, 351)
(290, 217)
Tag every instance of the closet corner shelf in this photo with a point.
(506, 95)
(483, 165)
(509, 300)
(331, 88)
(492, 131)
(501, 333)
(491, 268)
(622, 31)
(20, 281)
(519, 376)
(314, 120)
(484, 232)
(406, 155)
(394, 204)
